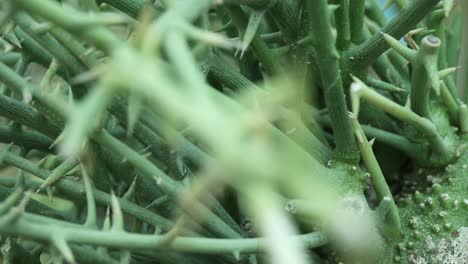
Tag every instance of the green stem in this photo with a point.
(378, 180)
(126, 240)
(25, 138)
(343, 28)
(463, 80)
(328, 59)
(356, 20)
(425, 126)
(366, 53)
(424, 76)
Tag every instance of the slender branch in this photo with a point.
(77, 234)
(378, 180)
(25, 138)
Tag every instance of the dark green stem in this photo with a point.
(328, 59)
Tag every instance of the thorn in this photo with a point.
(159, 201)
(404, 51)
(237, 255)
(107, 222)
(131, 190)
(62, 246)
(90, 201)
(252, 27)
(56, 141)
(58, 173)
(135, 107)
(117, 216)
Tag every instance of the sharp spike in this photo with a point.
(58, 173)
(61, 245)
(254, 22)
(90, 201)
(131, 190)
(117, 216)
(404, 51)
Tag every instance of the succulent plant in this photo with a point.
(233, 131)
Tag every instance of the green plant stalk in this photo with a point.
(284, 13)
(398, 67)
(390, 139)
(424, 125)
(34, 50)
(424, 76)
(319, 18)
(34, 207)
(365, 54)
(46, 40)
(24, 138)
(452, 105)
(10, 58)
(132, 7)
(454, 36)
(27, 116)
(436, 21)
(77, 234)
(378, 181)
(463, 80)
(343, 28)
(252, 3)
(356, 20)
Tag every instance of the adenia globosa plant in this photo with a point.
(234, 131)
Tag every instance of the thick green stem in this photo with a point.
(328, 59)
